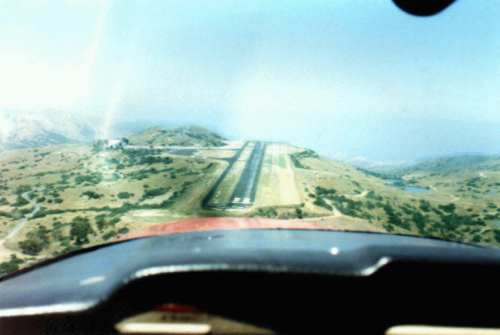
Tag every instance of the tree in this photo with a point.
(20, 202)
(322, 203)
(35, 241)
(419, 221)
(125, 195)
(92, 195)
(154, 192)
(425, 205)
(123, 231)
(99, 145)
(31, 246)
(299, 213)
(497, 235)
(10, 266)
(394, 218)
(450, 208)
(80, 230)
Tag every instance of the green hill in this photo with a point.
(182, 136)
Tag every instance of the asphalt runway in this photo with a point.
(246, 188)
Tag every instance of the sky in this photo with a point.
(349, 78)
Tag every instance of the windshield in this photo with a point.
(118, 116)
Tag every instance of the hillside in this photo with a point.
(462, 205)
(64, 197)
(42, 129)
(182, 136)
(461, 177)
(61, 198)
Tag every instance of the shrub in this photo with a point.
(20, 202)
(10, 266)
(322, 203)
(23, 189)
(299, 213)
(80, 230)
(497, 235)
(425, 206)
(450, 208)
(155, 192)
(123, 230)
(5, 214)
(91, 195)
(267, 212)
(296, 158)
(41, 213)
(109, 235)
(32, 246)
(92, 179)
(114, 220)
(100, 221)
(393, 217)
(125, 195)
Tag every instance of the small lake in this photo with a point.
(401, 184)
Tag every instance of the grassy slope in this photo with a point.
(98, 196)
(462, 202)
(72, 181)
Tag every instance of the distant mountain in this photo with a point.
(441, 165)
(182, 136)
(459, 163)
(41, 129)
(125, 127)
(368, 164)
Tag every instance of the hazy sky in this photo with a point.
(351, 77)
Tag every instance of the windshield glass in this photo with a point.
(117, 116)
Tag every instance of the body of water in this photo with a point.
(401, 184)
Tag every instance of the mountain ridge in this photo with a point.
(442, 164)
(20, 130)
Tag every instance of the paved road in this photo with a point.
(246, 188)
